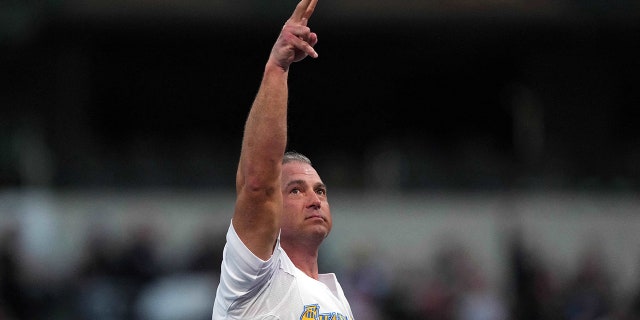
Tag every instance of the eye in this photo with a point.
(321, 191)
(295, 191)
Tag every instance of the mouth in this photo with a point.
(315, 216)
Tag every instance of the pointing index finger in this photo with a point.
(303, 10)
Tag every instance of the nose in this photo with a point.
(314, 201)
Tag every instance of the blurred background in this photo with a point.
(482, 157)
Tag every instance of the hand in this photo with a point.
(296, 40)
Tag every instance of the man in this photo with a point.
(270, 261)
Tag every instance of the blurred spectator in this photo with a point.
(589, 294)
(439, 295)
(180, 296)
(366, 283)
(13, 299)
(463, 292)
(99, 255)
(139, 262)
(207, 256)
(634, 306)
(111, 278)
(139, 265)
(436, 301)
(478, 301)
(100, 294)
(534, 295)
(186, 295)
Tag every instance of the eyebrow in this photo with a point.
(294, 182)
(302, 182)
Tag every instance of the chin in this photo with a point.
(323, 234)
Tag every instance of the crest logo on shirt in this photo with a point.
(312, 312)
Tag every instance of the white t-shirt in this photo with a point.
(251, 288)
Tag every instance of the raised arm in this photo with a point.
(259, 198)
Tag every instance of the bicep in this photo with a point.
(257, 220)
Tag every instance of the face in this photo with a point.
(306, 210)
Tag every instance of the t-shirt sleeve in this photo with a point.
(242, 272)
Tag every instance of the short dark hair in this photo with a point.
(291, 156)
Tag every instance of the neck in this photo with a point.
(303, 258)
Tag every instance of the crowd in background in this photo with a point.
(114, 280)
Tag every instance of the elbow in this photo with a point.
(259, 182)
(257, 187)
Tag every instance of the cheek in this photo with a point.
(328, 213)
(289, 210)
(288, 205)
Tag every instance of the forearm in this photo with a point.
(265, 134)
